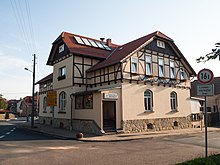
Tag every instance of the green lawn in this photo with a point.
(211, 160)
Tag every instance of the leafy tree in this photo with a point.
(3, 102)
(210, 56)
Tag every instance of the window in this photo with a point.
(134, 64)
(148, 100)
(62, 73)
(173, 101)
(45, 104)
(160, 68)
(172, 70)
(148, 65)
(182, 74)
(62, 101)
(84, 101)
(161, 44)
(61, 48)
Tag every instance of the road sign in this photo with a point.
(205, 90)
(52, 98)
(205, 76)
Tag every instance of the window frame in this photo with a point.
(134, 68)
(173, 101)
(62, 73)
(161, 68)
(148, 100)
(62, 101)
(172, 70)
(44, 104)
(148, 64)
(182, 74)
(61, 48)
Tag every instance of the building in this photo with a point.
(212, 102)
(142, 85)
(24, 106)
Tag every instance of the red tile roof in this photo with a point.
(45, 79)
(123, 51)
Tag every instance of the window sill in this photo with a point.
(174, 111)
(148, 111)
(61, 112)
(61, 77)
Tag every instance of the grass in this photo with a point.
(211, 160)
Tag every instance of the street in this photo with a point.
(19, 146)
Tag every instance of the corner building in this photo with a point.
(143, 85)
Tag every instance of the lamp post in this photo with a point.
(33, 84)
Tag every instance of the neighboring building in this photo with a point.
(140, 86)
(12, 105)
(212, 102)
(25, 106)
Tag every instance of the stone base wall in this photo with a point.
(145, 125)
(85, 126)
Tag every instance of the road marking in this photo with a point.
(2, 136)
(8, 133)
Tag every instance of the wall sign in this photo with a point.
(110, 95)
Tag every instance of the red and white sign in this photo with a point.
(205, 76)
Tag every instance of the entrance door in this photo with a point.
(109, 116)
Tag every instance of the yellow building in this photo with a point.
(142, 85)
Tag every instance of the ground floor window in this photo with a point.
(84, 102)
(148, 100)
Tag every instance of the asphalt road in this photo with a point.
(25, 147)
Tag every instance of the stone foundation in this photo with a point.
(86, 126)
(145, 125)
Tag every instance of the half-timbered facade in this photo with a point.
(139, 86)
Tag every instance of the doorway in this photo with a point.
(109, 116)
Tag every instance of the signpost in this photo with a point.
(205, 77)
(52, 101)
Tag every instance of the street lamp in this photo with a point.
(32, 111)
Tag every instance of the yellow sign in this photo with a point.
(52, 98)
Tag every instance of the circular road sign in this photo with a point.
(205, 76)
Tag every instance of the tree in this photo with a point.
(3, 102)
(210, 56)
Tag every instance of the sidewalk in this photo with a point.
(67, 134)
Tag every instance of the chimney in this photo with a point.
(102, 39)
(108, 42)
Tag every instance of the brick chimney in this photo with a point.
(108, 42)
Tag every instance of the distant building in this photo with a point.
(12, 105)
(143, 85)
(212, 103)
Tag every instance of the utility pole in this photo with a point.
(32, 112)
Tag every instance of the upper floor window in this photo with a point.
(45, 104)
(173, 101)
(160, 44)
(148, 100)
(134, 64)
(61, 48)
(182, 74)
(160, 67)
(148, 65)
(172, 70)
(62, 73)
(62, 101)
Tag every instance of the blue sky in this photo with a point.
(193, 25)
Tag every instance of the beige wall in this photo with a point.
(133, 101)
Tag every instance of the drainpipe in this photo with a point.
(71, 114)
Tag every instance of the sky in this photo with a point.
(30, 26)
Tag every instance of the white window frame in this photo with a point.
(182, 74)
(173, 101)
(134, 64)
(148, 100)
(160, 44)
(172, 69)
(148, 66)
(62, 71)
(160, 67)
(61, 48)
(62, 101)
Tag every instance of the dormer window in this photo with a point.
(61, 48)
(160, 44)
